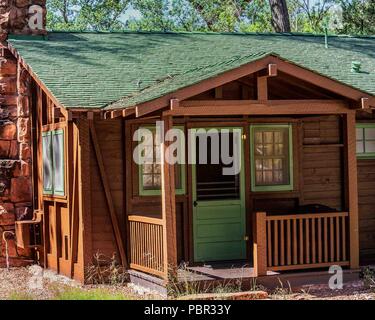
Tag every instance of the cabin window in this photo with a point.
(53, 163)
(150, 173)
(365, 138)
(271, 157)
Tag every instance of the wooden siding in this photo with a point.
(109, 133)
(322, 170)
(366, 203)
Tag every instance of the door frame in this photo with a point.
(243, 181)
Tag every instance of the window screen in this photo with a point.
(365, 139)
(58, 161)
(150, 173)
(47, 163)
(53, 163)
(271, 157)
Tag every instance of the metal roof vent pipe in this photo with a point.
(326, 37)
(356, 67)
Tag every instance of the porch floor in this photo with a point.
(208, 276)
(218, 272)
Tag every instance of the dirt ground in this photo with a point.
(35, 283)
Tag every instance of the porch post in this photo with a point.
(351, 192)
(168, 205)
(260, 245)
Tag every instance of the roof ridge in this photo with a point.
(236, 33)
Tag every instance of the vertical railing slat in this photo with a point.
(320, 249)
(325, 239)
(332, 239)
(307, 234)
(288, 243)
(269, 244)
(313, 240)
(276, 242)
(295, 243)
(301, 259)
(282, 242)
(343, 226)
(338, 242)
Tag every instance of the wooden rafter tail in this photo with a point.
(126, 112)
(365, 103)
(272, 70)
(111, 207)
(269, 71)
(90, 115)
(174, 103)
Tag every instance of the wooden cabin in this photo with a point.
(303, 199)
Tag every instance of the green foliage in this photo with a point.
(358, 17)
(20, 296)
(86, 14)
(310, 16)
(94, 294)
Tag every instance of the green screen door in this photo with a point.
(218, 197)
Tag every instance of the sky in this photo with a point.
(130, 13)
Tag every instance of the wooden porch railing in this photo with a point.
(301, 241)
(146, 245)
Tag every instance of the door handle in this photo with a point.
(195, 203)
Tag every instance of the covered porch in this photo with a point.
(285, 229)
(276, 241)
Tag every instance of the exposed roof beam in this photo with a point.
(255, 107)
(252, 67)
(205, 85)
(322, 81)
(119, 113)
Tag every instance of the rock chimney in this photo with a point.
(17, 17)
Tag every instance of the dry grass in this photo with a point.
(105, 270)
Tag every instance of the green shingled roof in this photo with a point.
(111, 70)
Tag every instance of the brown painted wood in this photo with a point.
(168, 200)
(308, 238)
(286, 67)
(351, 184)
(321, 81)
(86, 253)
(74, 227)
(262, 88)
(190, 91)
(111, 207)
(257, 107)
(260, 245)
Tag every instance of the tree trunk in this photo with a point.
(280, 15)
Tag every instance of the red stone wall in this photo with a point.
(22, 17)
(15, 142)
(16, 17)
